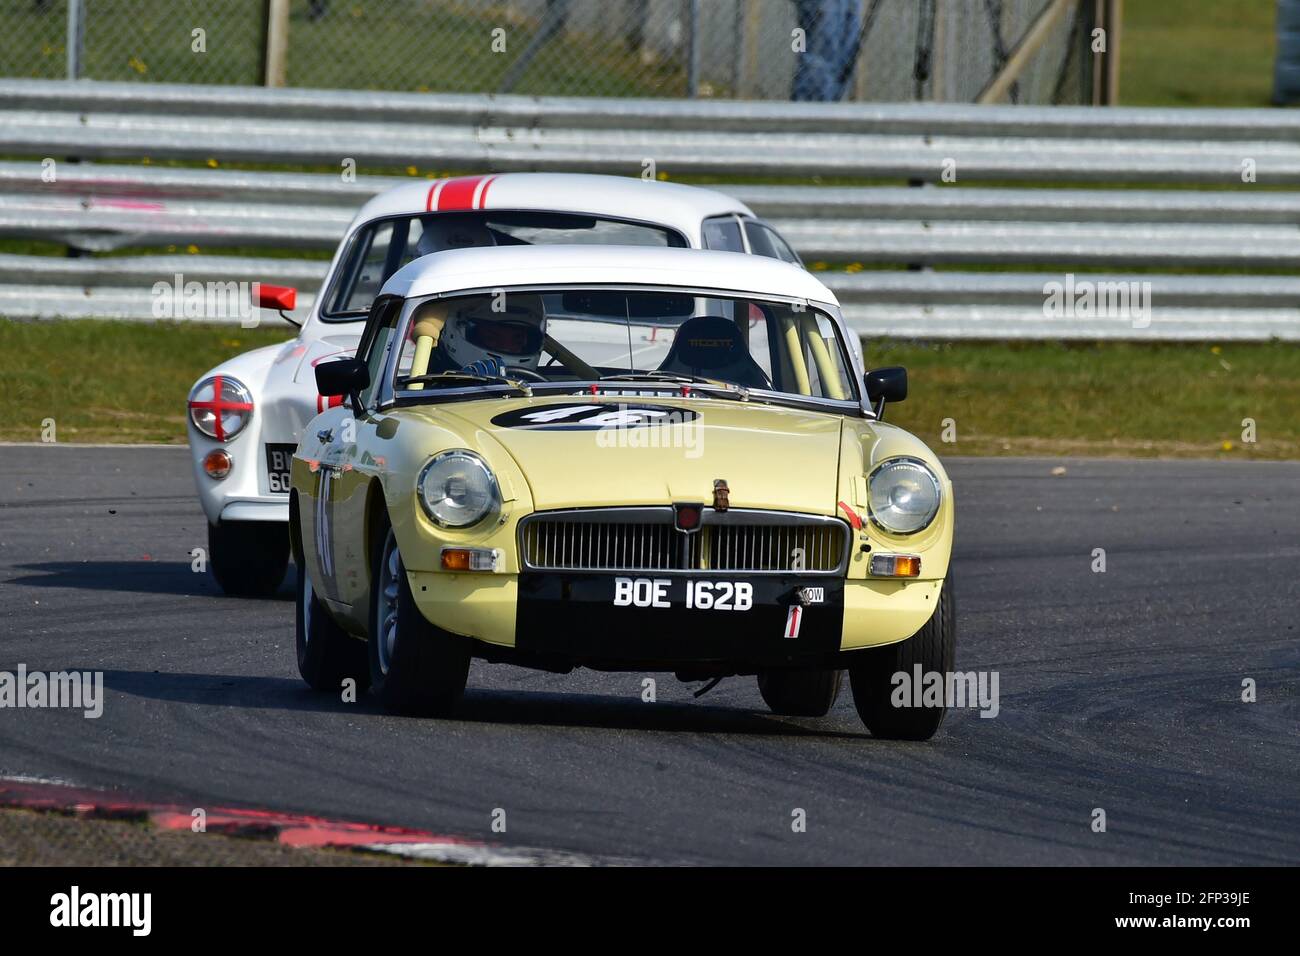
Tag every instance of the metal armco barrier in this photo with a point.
(1096, 224)
(895, 304)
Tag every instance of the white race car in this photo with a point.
(247, 414)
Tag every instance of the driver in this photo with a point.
(449, 231)
(473, 337)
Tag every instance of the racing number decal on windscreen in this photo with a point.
(700, 595)
(570, 416)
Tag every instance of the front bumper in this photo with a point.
(243, 494)
(256, 509)
(573, 617)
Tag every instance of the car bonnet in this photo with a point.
(595, 451)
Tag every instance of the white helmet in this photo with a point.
(452, 232)
(478, 333)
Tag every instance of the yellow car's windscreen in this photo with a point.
(589, 335)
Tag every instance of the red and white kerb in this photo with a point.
(223, 400)
(463, 192)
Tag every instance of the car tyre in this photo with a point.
(249, 558)
(809, 692)
(416, 668)
(933, 647)
(327, 654)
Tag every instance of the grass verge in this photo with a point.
(105, 381)
(1197, 53)
(1175, 400)
(122, 382)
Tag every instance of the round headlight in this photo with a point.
(457, 489)
(904, 495)
(220, 407)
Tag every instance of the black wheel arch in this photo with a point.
(295, 529)
(377, 521)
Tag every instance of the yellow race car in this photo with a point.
(625, 459)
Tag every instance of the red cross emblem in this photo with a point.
(218, 406)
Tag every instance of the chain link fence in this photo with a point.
(864, 50)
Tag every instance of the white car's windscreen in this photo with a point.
(585, 336)
(381, 248)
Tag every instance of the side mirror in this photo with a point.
(885, 385)
(279, 297)
(343, 377)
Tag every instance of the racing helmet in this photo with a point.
(510, 336)
(452, 232)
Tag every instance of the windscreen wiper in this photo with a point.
(440, 379)
(675, 378)
(665, 377)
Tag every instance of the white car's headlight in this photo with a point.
(220, 407)
(904, 495)
(457, 489)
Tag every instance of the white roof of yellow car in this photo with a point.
(493, 267)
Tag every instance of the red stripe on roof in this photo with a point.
(458, 193)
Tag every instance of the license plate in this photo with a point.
(279, 458)
(644, 616)
(701, 595)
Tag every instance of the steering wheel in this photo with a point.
(518, 371)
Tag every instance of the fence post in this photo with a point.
(1106, 15)
(938, 51)
(1114, 18)
(693, 49)
(76, 37)
(275, 48)
(748, 51)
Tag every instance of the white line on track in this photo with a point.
(6, 776)
(489, 855)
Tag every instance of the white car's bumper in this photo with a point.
(255, 509)
(242, 495)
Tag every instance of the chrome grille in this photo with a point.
(774, 548)
(645, 539)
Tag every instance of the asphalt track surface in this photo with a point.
(1118, 690)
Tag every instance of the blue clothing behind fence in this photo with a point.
(823, 71)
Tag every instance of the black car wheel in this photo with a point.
(248, 558)
(415, 667)
(933, 647)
